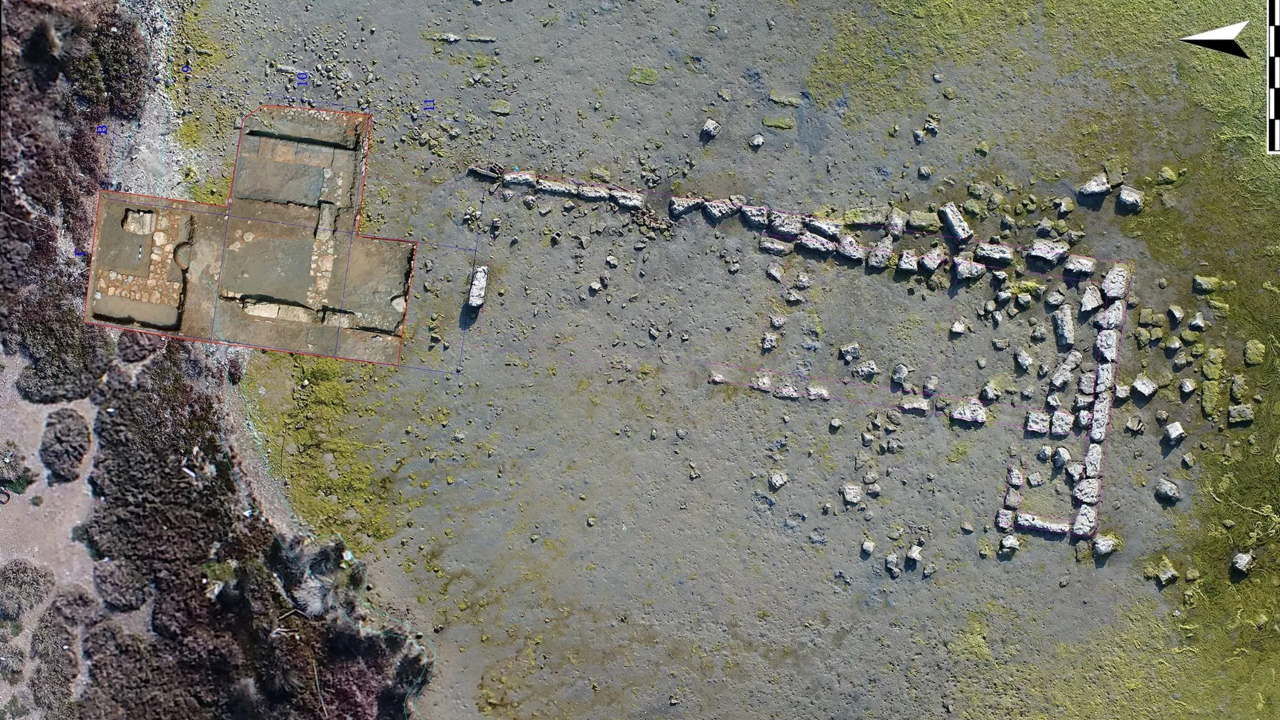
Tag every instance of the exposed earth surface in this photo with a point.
(824, 360)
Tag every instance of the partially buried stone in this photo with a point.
(908, 261)
(1048, 251)
(774, 247)
(966, 269)
(681, 206)
(788, 225)
(1239, 415)
(1064, 325)
(1116, 282)
(933, 259)
(866, 370)
(717, 210)
(1254, 352)
(1080, 265)
(879, 256)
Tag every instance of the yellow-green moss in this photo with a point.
(212, 116)
(325, 472)
(642, 75)
(210, 189)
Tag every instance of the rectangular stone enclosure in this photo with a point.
(281, 266)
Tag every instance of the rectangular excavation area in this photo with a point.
(155, 264)
(280, 267)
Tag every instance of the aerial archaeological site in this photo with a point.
(639, 359)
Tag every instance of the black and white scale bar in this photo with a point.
(1273, 77)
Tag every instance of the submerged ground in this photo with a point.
(584, 526)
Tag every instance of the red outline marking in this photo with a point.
(167, 203)
(93, 241)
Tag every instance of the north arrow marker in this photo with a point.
(1223, 40)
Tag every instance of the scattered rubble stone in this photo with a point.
(891, 564)
(1168, 492)
(1242, 562)
(1130, 199)
(1173, 433)
(777, 479)
(1144, 386)
(970, 410)
(1098, 185)
(956, 226)
(710, 129)
(1104, 545)
(851, 493)
(1164, 572)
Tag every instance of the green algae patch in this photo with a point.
(642, 76)
(971, 642)
(195, 76)
(1212, 366)
(1210, 398)
(1255, 352)
(778, 122)
(306, 411)
(911, 37)
(1141, 667)
(788, 100)
(211, 190)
